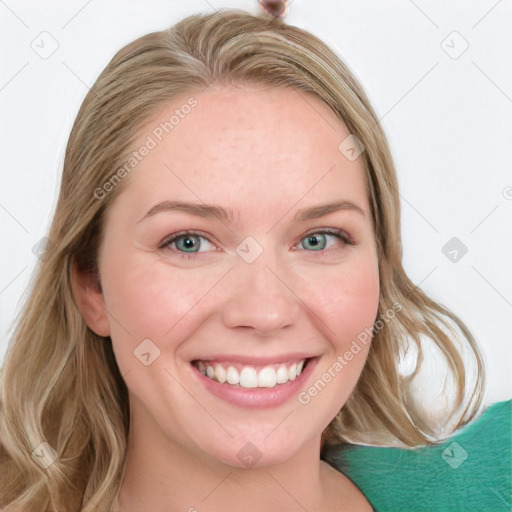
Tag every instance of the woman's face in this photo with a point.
(241, 246)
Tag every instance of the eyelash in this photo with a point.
(340, 234)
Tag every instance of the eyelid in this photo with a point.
(341, 233)
(173, 236)
(337, 232)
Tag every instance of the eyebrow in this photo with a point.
(217, 212)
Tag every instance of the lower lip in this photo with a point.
(257, 398)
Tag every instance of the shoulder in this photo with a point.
(340, 490)
(469, 471)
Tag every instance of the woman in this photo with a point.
(223, 297)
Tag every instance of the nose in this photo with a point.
(260, 297)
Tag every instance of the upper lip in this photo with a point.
(256, 360)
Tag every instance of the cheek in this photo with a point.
(154, 303)
(148, 299)
(347, 300)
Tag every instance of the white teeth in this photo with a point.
(232, 375)
(267, 377)
(220, 374)
(282, 374)
(248, 378)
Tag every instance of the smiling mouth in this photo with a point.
(251, 376)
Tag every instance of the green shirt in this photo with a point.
(470, 472)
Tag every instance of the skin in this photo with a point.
(262, 154)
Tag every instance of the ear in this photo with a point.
(88, 296)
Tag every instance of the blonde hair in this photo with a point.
(61, 384)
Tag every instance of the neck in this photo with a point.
(163, 476)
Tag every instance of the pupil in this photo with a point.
(188, 243)
(316, 242)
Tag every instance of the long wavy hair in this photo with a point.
(60, 383)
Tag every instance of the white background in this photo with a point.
(447, 114)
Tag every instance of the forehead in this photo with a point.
(246, 147)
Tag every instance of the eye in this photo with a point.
(188, 242)
(324, 240)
